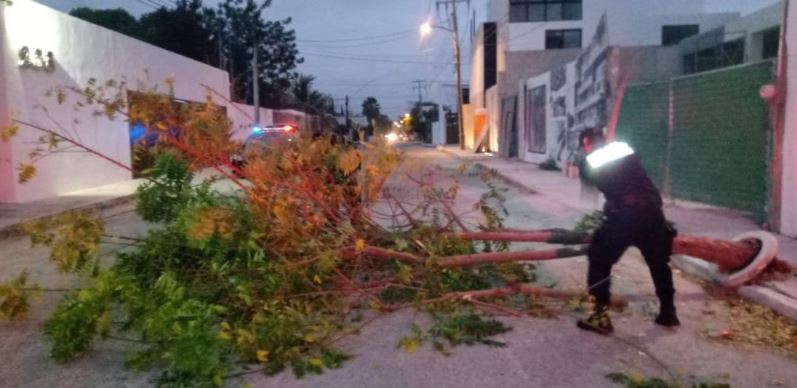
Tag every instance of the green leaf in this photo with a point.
(404, 273)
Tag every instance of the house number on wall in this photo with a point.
(40, 61)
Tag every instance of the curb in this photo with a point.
(503, 178)
(774, 300)
(507, 180)
(766, 296)
(15, 230)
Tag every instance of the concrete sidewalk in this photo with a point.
(12, 215)
(780, 294)
(97, 198)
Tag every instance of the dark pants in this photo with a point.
(643, 227)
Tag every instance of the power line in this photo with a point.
(158, 3)
(374, 43)
(165, 3)
(367, 56)
(370, 37)
(363, 59)
(150, 3)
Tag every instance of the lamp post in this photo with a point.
(426, 29)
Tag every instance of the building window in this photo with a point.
(562, 39)
(771, 43)
(722, 55)
(672, 35)
(522, 11)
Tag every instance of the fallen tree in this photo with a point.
(275, 272)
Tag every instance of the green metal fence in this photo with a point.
(643, 124)
(720, 140)
(716, 149)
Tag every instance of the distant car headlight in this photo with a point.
(391, 137)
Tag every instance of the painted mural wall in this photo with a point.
(556, 106)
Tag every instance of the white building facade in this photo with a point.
(788, 219)
(81, 51)
(535, 36)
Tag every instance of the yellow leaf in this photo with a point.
(60, 96)
(224, 336)
(9, 131)
(262, 355)
(317, 279)
(359, 245)
(225, 326)
(316, 362)
(409, 345)
(104, 322)
(26, 172)
(375, 305)
(349, 162)
(218, 380)
(52, 142)
(309, 338)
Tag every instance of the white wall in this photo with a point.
(493, 105)
(523, 114)
(789, 193)
(631, 22)
(6, 166)
(82, 51)
(439, 131)
(477, 71)
(752, 26)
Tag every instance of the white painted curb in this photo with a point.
(769, 249)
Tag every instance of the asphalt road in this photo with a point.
(540, 352)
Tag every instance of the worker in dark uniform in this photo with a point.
(633, 217)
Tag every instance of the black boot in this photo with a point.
(667, 318)
(598, 322)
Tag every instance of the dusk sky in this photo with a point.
(364, 47)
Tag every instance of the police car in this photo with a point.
(262, 139)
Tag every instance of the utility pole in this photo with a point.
(457, 62)
(348, 124)
(419, 85)
(255, 86)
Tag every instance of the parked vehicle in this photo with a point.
(263, 139)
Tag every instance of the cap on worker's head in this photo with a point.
(593, 134)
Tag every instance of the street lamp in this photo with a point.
(426, 29)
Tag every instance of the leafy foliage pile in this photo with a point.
(455, 328)
(637, 381)
(271, 273)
